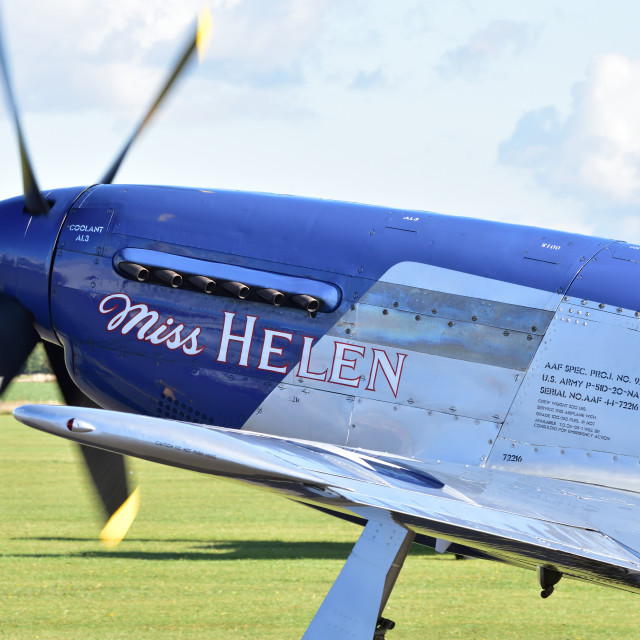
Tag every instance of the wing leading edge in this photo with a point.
(579, 530)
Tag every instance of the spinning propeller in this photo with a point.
(18, 334)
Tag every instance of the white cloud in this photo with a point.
(364, 80)
(593, 153)
(79, 55)
(268, 34)
(495, 40)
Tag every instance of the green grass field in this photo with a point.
(21, 390)
(212, 559)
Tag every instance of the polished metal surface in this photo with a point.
(436, 335)
(584, 531)
(459, 361)
(300, 412)
(576, 415)
(589, 466)
(417, 433)
(425, 276)
(430, 382)
(430, 418)
(594, 311)
(490, 313)
(351, 607)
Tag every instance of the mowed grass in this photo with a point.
(213, 559)
(26, 391)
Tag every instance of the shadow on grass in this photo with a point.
(127, 539)
(208, 550)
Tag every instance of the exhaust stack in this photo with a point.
(169, 277)
(136, 271)
(276, 298)
(306, 302)
(237, 289)
(207, 285)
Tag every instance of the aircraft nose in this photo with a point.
(13, 226)
(27, 245)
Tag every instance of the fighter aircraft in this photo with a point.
(468, 385)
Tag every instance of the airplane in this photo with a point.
(468, 385)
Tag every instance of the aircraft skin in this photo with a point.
(466, 384)
(441, 335)
(474, 343)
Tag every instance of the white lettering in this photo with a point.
(147, 326)
(381, 360)
(304, 370)
(340, 363)
(143, 313)
(148, 318)
(244, 339)
(84, 227)
(156, 337)
(268, 350)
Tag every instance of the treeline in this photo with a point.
(37, 362)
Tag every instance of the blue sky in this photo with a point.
(522, 112)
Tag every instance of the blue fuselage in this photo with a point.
(418, 312)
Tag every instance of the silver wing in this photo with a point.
(555, 526)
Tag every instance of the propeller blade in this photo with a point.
(108, 470)
(34, 203)
(116, 529)
(109, 477)
(17, 338)
(198, 41)
(70, 392)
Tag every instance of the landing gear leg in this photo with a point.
(353, 607)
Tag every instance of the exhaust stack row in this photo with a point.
(207, 285)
